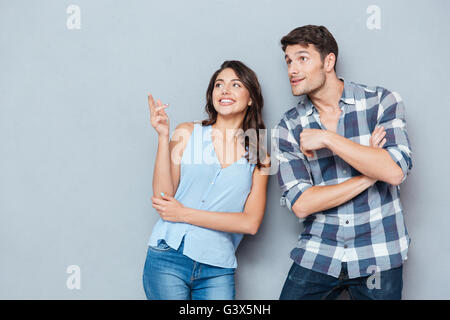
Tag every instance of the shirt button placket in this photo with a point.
(210, 187)
(346, 231)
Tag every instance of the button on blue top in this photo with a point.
(205, 185)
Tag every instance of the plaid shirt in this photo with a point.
(368, 232)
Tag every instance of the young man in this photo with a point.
(339, 175)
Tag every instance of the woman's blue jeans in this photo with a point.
(170, 275)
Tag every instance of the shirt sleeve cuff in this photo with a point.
(401, 156)
(289, 197)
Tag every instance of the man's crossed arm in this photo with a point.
(319, 198)
(387, 159)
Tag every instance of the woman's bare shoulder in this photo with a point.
(183, 131)
(185, 126)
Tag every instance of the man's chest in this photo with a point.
(329, 121)
(355, 125)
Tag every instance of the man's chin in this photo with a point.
(298, 92)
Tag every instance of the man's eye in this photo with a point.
(303, 59)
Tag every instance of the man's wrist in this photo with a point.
(368, 180)
(328, 138)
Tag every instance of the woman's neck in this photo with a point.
(228, 126)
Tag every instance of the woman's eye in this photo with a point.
(218, 85)
(303, 59)
(236, 85)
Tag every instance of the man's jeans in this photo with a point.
(305, 284)
(170, 275)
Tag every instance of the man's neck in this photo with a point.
(326, 99)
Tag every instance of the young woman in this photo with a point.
(209, 188)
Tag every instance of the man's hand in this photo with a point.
(377, 139)
(311, 140)
(315, 139)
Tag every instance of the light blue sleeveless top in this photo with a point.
(204, 185)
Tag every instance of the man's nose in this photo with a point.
(293, 70)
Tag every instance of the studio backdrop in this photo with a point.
(77, 149)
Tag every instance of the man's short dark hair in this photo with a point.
(319, 36)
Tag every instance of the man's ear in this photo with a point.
(330, 61)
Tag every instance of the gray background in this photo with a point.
(77, 148)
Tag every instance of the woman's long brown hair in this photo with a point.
(253, 116)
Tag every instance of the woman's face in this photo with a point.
(230, 96)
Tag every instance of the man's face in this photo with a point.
(305, 69)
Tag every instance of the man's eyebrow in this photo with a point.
(297, 53)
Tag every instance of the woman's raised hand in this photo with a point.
(158, 117)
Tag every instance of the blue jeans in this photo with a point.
(305, 284)
(170, 275)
